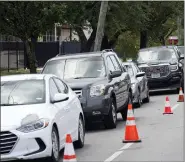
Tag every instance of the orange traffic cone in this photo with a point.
(181, 95)
(167, 109)
(69, 153)
(131, 134)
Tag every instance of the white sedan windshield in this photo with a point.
(22, 92)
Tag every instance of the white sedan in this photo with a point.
(37, 111)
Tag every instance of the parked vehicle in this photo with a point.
(139, 82)
(181, 49)
(99, 80)
(163, 67)
(37, 111)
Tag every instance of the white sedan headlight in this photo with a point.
(97, 90)
(33, 126)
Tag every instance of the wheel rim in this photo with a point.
(140, 101)
(81, 130)
(148, 96)
(55, 145)
(113, 113)
(130, 99)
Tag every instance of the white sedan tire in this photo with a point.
(55, 147)
(81, 134)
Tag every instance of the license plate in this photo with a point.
(155, 75)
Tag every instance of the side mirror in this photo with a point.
(115, 74)
(140, 74)
(59, 97)
(181, 57)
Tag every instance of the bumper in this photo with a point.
(172, 81)
(31, 145)
(95, 108)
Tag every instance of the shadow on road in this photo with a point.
(166, 92)
(99, 127)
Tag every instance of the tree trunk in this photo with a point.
(162, 40)
(143, 39)
(30, 51)
(87, 46)
(105, 43)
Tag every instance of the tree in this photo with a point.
(27, 20)
(81, 16)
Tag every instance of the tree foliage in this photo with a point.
(128, 27)
(27, 20)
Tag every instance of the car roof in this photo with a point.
(84, 54)
(157, 48)
(127, 63)
(25, 77)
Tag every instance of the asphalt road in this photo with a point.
(161, 135)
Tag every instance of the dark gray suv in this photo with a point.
(163, 66)
(103, 86)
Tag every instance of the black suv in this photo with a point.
(103, 86)
(163, 66)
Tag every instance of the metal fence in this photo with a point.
(13, 54)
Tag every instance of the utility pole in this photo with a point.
(100, 26)
(179, 29)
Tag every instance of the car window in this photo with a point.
(110, 64)
(20, 92)
(53, 88)
(55, 67)
(181, 49)
(130, 70)
(124, 68)
(61, 85)
(115, 63)
(136, 67)
(156, 55)
(84, 67)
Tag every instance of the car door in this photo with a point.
(142, 80)
(121, 82)
(61, 113)
(70, 110)
(114, 82)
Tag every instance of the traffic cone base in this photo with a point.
(131, 134)
(181, 96)
(167, 109)
(181, 99)
(69, 153)
(130, 141)
(167, 113)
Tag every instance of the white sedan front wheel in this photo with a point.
(55, 146)
(81, 134)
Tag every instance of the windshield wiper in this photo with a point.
(10, 104)
(7, 104)
(81, 77)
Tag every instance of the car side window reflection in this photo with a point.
(61, 86)
(53, 88)
(110, 65)
(115, 63)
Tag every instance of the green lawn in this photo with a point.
(15, 71)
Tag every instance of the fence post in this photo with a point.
(24, 56)
(8, 56)
(17, 64)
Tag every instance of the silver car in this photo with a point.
(139, 84)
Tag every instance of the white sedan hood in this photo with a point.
(11, 116)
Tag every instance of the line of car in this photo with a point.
(75, 91)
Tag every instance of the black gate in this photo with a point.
(13, 53)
